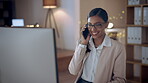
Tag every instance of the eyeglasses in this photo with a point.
(97, 26)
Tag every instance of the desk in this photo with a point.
(64, 56)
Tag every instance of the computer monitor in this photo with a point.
(28, 55)
(17, 22)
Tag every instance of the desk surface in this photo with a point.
(64, 53)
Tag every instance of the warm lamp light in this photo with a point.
(49, 3)
(110, 25)
(49, 6)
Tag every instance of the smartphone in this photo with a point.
(85, 33)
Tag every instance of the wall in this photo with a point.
(67, 18)
(31, 10)
(113, 7)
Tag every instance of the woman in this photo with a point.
(104, 61)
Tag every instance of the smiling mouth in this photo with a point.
(94, 33)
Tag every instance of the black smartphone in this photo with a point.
(85, 33)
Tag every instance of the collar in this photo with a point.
(106, 42)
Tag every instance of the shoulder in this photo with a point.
(117, 45)
(118, 48)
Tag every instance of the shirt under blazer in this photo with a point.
(91, 62)
(111, 65)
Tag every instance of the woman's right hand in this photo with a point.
(85, 41)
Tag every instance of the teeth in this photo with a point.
(94, 33)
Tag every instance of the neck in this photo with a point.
(98, 41)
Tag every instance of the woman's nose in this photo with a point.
(93, 29)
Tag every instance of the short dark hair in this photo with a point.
(99, 12)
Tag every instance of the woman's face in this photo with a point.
(96, 26)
